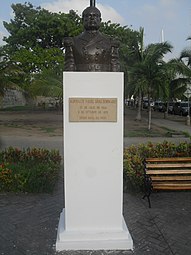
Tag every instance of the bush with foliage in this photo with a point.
(29, 170)
(135, 155)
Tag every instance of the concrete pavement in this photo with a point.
(55, 142)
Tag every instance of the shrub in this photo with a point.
(29, 170)
(135, 155)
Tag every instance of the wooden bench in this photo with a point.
(166, 174)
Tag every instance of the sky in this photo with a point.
(173, 17)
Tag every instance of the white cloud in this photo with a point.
(65, 6)
(166, 10)
(169, 3)
(108, 13)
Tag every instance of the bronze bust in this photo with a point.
(91, 51)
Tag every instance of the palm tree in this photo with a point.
(149, 71)
(47, 83)
(186, 54)
(178, 75)
(135, 82)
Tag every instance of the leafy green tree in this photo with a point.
(36, 37)
(10, 73)
(36, 59)
(35, 41)
(36, 27)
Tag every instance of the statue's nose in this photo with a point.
(92, 17)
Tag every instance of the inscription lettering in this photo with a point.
(93, 109)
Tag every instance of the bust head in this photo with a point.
(91, 17)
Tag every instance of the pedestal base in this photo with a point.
(92, 240)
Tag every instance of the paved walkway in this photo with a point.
(28, 223)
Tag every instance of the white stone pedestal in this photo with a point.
(93, 165)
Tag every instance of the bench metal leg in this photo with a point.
(148, 198)
(148, 186)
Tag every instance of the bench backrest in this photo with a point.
(169, 173)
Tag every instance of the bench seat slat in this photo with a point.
(168, 183)
(168, 159)
(172, 165)
(154, 172)
(167, 174)
(180, 187)
(171, 178)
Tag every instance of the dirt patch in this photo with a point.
(135, 128)
(50, 123)
(31, 123)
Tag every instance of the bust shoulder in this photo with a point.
(110, 40)
(80, 36)
(87, 36)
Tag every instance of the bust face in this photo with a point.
(91, 18)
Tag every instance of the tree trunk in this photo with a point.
(166, 110)
(150, 117)
(138, 117)
(149, 108)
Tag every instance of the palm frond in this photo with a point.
(47, 83)
(186, 54)
(155, 52)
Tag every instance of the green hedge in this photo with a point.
(29, 170)
(37, 170)
(135, 155)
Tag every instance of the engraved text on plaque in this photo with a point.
(93, 109)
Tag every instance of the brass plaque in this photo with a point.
(93, 109)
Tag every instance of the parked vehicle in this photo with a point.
(146, 103)
(181, 108)
(159, 106)
(170, 107)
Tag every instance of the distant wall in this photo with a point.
(11, 98)
(47, 102)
